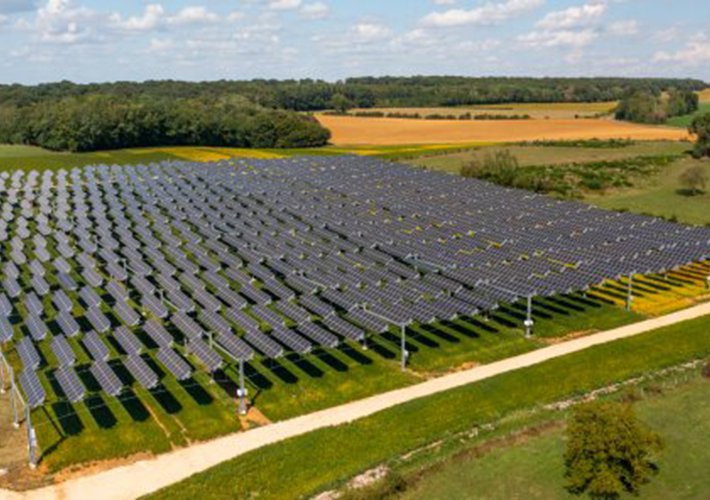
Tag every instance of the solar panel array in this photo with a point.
(142, 265)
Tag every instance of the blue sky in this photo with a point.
(96, 41)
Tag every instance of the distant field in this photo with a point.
(538, 155)
(704, 95)
(685, 121)
(386, 131)
(535, 110)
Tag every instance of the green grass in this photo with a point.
(685, 121)
(662, 195)
(535, 469)
(303, 465)
(529, 155)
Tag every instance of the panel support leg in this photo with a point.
(13, 399)
(31, 438)
(242, 392)
(630, 296)
(403, 346)
(529, 319)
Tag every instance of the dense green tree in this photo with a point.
(340, 103)
(609, 451)
(648, 107)
(700, 128)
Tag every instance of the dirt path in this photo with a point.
(146, 476)
(386, 131)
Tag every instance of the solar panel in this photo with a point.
(318, 335)
(207, 356)
(235, 346)
(187, 325)
(292, 340)
(68, 324)
(158, 333)
(98, 320)
(71, 385)
(61, 301)
(107, 378)
(127, 314)
(6, 309)
(34, 305)
(140, 370)
(28, 354)
(174, 363)
(95, 346)
(90, 297)
(32, 387)
(128, 342)
(264, 344)
(6, 330)
(155, 306)
(36, 327)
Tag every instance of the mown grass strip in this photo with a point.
(308, 463)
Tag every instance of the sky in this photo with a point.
(109, 40)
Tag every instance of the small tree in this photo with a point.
(694, 179)
(700, 128)
(608, 451)
(340, 103)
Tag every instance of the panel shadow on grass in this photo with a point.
(198, 393)
(304, 365)
(166, 399)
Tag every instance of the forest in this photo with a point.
(96, 122)
(367, 92)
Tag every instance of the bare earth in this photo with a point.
(145, 476)
(390, 131)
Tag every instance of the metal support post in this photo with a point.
(364, 343)
(242, 392)
(529, 323)
(13, 399)
(405, 354)
(630, 297)
(31, 438)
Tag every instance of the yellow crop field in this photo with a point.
(535, 110)
(385, 131)
(704, 95)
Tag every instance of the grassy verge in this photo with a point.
(535, 469)
(685, 121)
(331, 455)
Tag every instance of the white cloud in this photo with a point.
(64, 22)
(284, 4)
(444, 2)
(488, 14)
(316, 10)
(572, 17)
(161, 45)
(152, 16)
(558, 38)
(193, 15)
(624, 28)
(368, 32)
(695, 53)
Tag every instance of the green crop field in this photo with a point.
(332, 455)
(535, 469)
(685, 121)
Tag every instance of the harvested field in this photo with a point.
(535, 110)
(386, 131)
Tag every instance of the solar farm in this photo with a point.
(196, 267)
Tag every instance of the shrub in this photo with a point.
(609, 452)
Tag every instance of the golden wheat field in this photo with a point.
(534, 110)
(386, 131)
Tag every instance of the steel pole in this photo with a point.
(529, 320)
(404, 347)
(30, 438)
(242, 390)
(13, 399)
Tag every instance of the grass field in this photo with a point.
(386, 131)
(685, 121)
(559, 110)
(335, 454)
(539, 155)
(662, 195)
(535, 469)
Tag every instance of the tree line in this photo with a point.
(95, 122)
(653, 107)
(367, 92)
